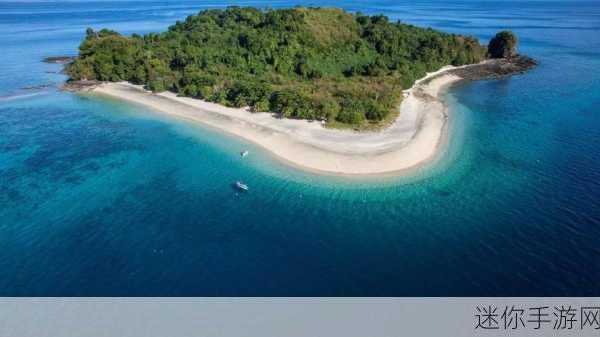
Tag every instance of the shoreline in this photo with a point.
(411, 140)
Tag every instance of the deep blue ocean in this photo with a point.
(99, 197)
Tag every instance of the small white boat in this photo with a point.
(244, 153)
(241, 186)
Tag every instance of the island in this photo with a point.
(320, 88)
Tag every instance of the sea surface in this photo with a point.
(99, 197)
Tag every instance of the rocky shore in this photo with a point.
(80, 86)
(495, 68)
(59, 59)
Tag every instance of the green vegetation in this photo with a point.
(309, 63)
(503, 45)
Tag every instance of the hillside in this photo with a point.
(308, 63)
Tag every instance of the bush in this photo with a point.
(261, 105)
(329, 109)
(375, 111)
(292, 104)
(157, 85)
(350, 117)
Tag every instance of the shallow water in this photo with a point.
(99, 197)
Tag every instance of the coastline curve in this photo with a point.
(413, 139)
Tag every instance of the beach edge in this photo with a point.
(412, 141)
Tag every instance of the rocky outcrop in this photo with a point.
(59, 59)
(496, 68)
(79, 86)
(503, 45)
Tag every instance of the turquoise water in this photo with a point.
(99, 197)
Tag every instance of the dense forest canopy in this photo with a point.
(309, 63)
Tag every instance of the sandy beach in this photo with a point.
(413, 139)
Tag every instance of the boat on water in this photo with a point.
(244, 153)
(241, 186)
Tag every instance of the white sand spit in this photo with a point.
(412, 139)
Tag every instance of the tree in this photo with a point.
(308, 63)
(329, 108)
(503, 45)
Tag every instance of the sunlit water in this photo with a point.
(99, 197)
